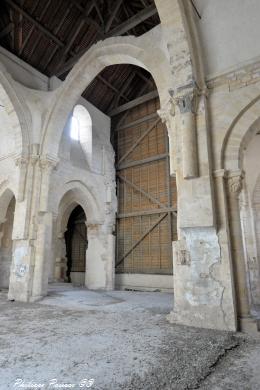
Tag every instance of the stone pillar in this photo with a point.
(100, 258)
(24, 234)
(22, 163)
(167, 115)
(234, 186)
(60, 258)
(47, 165)
(203, 288)
(187, 108)
(43, 242)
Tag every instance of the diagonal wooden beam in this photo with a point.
(38, 38)
(98, 12)
(74, 33)
(121, 29)
(159, 220)
(150, 128)
(113, 15)
(144, 193)
(142, 162)
(108, 84)
(120, 94)
(6, 30)
(134, 103)
(37, 24)
(28, 36)
(133, 21)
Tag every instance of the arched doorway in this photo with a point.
(240, 161)
(6, 244)
(76, 246)
(250, 220)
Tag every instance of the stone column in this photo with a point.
(234, 187)
(167, 115)
(60, 258)
(24, 233)
(43, 242)
(100, 258)
(47, 165)
(187, 109)
(22, 163)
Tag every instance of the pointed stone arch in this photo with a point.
(17, 111)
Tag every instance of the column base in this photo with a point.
(249, 325)
(201, 318)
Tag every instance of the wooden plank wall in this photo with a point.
(147, 195)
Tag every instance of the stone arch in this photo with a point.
(16, 110)
(77, 193)
(177, 21)
(6, 196)
(241, 131)
(118, 50)
(99, 264)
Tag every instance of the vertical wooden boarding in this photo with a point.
(147, 195)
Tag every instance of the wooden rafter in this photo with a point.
(113, 15)
(74, 33)
(134, 103)
(6, 30)
(37, 24)
(119, 30)
(121, 92)
(108, 84)
(133, 21)
(28, 36)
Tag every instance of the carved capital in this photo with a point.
(21, 161)
(235, 183)
(188, 103)
(48, 163)
(187, 99)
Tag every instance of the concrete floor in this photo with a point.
(116, 340)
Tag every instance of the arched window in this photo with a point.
(81, 129)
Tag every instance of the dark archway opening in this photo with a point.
(76, 247)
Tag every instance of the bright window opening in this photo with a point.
(74, 128)
(81, 130)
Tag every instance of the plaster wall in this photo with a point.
(229, 33)
(22, 72)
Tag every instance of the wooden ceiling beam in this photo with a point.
(38, 25)
(38, 38)
(6, 30)
(113, 15)
(121, 29)
(133, 103)
(108, 84)
(28, 36)
(133, 21)
(116, 100)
